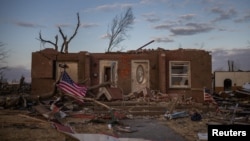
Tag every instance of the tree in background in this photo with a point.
(119, 27)
(3, 56)
(66, 40)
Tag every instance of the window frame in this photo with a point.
(186, 75)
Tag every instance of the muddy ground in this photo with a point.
(16, 125)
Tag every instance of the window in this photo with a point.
(179, 74)
(140, 74)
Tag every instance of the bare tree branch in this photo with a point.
(119, 27)
(3, 56)
(66, 42)
(50, 42)
(78, 25)
(64, 39)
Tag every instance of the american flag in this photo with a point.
(208, 96)
(72, 89)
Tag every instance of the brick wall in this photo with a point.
(124, 67)
(43, 69)
(201, 70)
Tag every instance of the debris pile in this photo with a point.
(232, 109)
(110, 107)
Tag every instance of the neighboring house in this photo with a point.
(182, 71)
(227, 81)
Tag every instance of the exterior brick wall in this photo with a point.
(43, 69)
(201, 70)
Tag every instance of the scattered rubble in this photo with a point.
(105, 115)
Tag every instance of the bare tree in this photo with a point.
(48, 41)
(3, 56)
(119, 27)
(66, 41)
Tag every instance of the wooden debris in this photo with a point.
(176, 115)
(233, 116)
(110, 93)
(173, 104)
(33, 118)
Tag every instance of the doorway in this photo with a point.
(108, 72)
(139, 75)
(227, 85)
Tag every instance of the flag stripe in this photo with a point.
(208, 97)
(72, 89)
(67, 88)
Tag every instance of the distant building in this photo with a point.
(182, 71)
(227, 81)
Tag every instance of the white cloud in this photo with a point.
(187, 16)
(88, 25)
(191, 28)
(163, 39)
(111, 7)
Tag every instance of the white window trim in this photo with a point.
(188, 75)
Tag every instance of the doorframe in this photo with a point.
(133, 73)
(113, 64)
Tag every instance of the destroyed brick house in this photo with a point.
(183, 71)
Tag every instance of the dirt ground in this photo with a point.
(187, 128)
(16, 125)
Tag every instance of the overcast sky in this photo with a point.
(219, 26)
